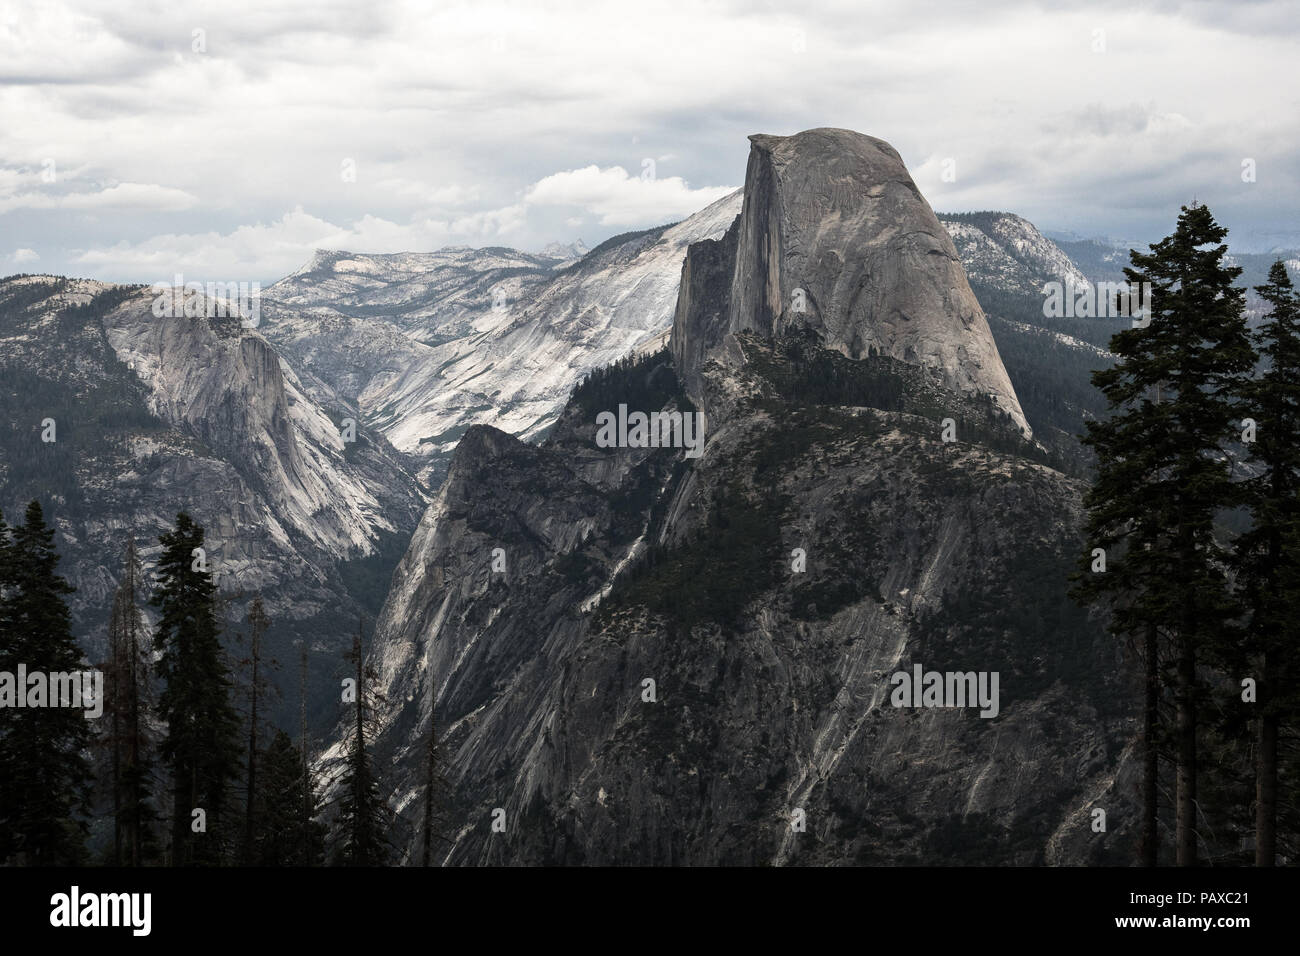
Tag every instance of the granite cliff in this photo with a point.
(635, 657)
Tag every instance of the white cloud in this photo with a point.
(23, 255)
(618, 199)
(137, 197)
(449, 127)
(248, 251)
(134, 196)
(265, 252)
(269, 251)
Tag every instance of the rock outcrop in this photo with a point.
(834, 236)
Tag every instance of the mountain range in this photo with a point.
(472, 377)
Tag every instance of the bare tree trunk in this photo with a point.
(257, 625)
(1150, 846)
(1266, 774)
(136, 824)
(115, 666)
(123, 697)
(1266, 741)
(1185, 796)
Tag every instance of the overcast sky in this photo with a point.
(228, 140)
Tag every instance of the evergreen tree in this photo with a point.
(200, 745)
(126, 707)
(1163, 477)
(365, 818)
(44, 769)
(257, 624)
(286, 833)
(1269, 553)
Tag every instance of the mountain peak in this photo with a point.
(835, 236)
(828, 139)
(566, 252)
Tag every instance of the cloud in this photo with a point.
(265, 252)
(136, 197)
(618, 199)
(501, 123)
(20, 256)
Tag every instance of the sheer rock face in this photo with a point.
(163, 413)
(227, 387)
(835, 236)
(541, 701)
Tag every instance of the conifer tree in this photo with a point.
(286, 833)
(200, 745)
(1268, 555)
(44, 770)
(1163, 477)
(126, 709)
(365, 818)
(257, 625)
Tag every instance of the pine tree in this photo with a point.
(286, 833)
(1163, 477)
(257, 625)
(43, 760)
(1268, 555)
(365, 818)
(126, 706)
(202, 728)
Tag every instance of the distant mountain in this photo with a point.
(1000, 250)
(1105, 262)
(1049, 359)
(154, 415)
(1099, 261)
(432, 297)
(429, 345)
(567, 253)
